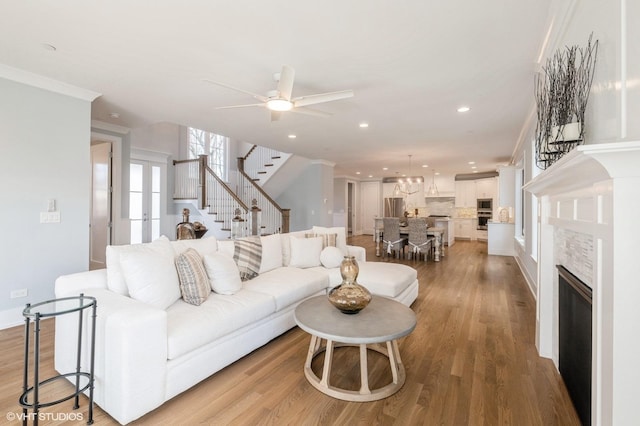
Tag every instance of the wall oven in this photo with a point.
(483, 220)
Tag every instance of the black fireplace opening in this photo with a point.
(575, 335)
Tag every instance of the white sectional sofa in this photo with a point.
(147, 353)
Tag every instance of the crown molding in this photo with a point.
(46, 83)
(108, 127)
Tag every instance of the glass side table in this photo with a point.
(30, 397)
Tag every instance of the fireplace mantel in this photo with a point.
(593, 195)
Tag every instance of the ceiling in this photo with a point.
(411, 64)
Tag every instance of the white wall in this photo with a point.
(44, 140)
(614, 102)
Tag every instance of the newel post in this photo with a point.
(202, 181)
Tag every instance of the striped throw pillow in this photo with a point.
(194, 283)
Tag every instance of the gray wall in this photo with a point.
(44, 142)
(310, 197)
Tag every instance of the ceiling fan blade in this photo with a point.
(309, 111)
(240, 106)
(254, 95)
(321, 97)
(285, 84)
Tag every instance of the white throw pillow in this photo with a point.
(115, 277)
(305, 252)
(271, 252)
(151, 278)
(341, 240)
(223, 273)
(331, 257)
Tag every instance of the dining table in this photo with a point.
(435, 231)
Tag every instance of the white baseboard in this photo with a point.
(527, 278)
(11, 317)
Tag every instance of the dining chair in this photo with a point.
(391, 239)
(419, 241)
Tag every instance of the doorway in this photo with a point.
(100, 223)
(351, 210)
(145, 194)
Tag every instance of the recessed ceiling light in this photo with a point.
(357, 173)
(437, 173)
(463, 109)
(370, 176)
(425, 165)
(292, 136)
(385, 168)
(475, 171)
(114, 115)
(474, 167)
(471, 162)
(364, 125)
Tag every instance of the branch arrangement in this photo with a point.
(561, 92)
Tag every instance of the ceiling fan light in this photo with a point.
(279, 105)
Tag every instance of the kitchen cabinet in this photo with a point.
(466, 193)
(501, 236)
(449, 231)
(486, 188)
(465, 228)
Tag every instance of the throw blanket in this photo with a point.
(248, 255)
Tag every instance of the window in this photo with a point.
(215, 146)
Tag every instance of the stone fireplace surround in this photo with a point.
(589, 220)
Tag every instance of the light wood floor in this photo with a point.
(470, 361)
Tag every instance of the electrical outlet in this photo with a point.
(23, 292)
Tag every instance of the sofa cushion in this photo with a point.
(151, 277)
(386, 279)
(248, 256)
(194, 283)
(190, 327)
(203, 246)
(115, 276)
(271, 252)
(289, 285)
(223, 273)
(341, 239)
(305, 252)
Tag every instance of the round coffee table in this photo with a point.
(383, 321)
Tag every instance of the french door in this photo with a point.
(146, 182)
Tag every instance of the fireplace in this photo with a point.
(574, 340)
(587, 220)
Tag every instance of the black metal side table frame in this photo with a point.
(53, 308)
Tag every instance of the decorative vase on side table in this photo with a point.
(349, 297)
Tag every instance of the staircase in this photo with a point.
(249, 205)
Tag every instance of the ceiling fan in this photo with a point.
(280, 99)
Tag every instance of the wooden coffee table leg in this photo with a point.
(326, 368)
(394, 359)
(364, 371)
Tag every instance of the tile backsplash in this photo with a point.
(465, 212)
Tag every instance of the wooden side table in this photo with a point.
(377, 327)
(30, 397)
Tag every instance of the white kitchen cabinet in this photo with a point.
(465, 228)
(466, 193)
(501, 236)
(486, 188)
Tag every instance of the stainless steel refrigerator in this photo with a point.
(394, 207)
